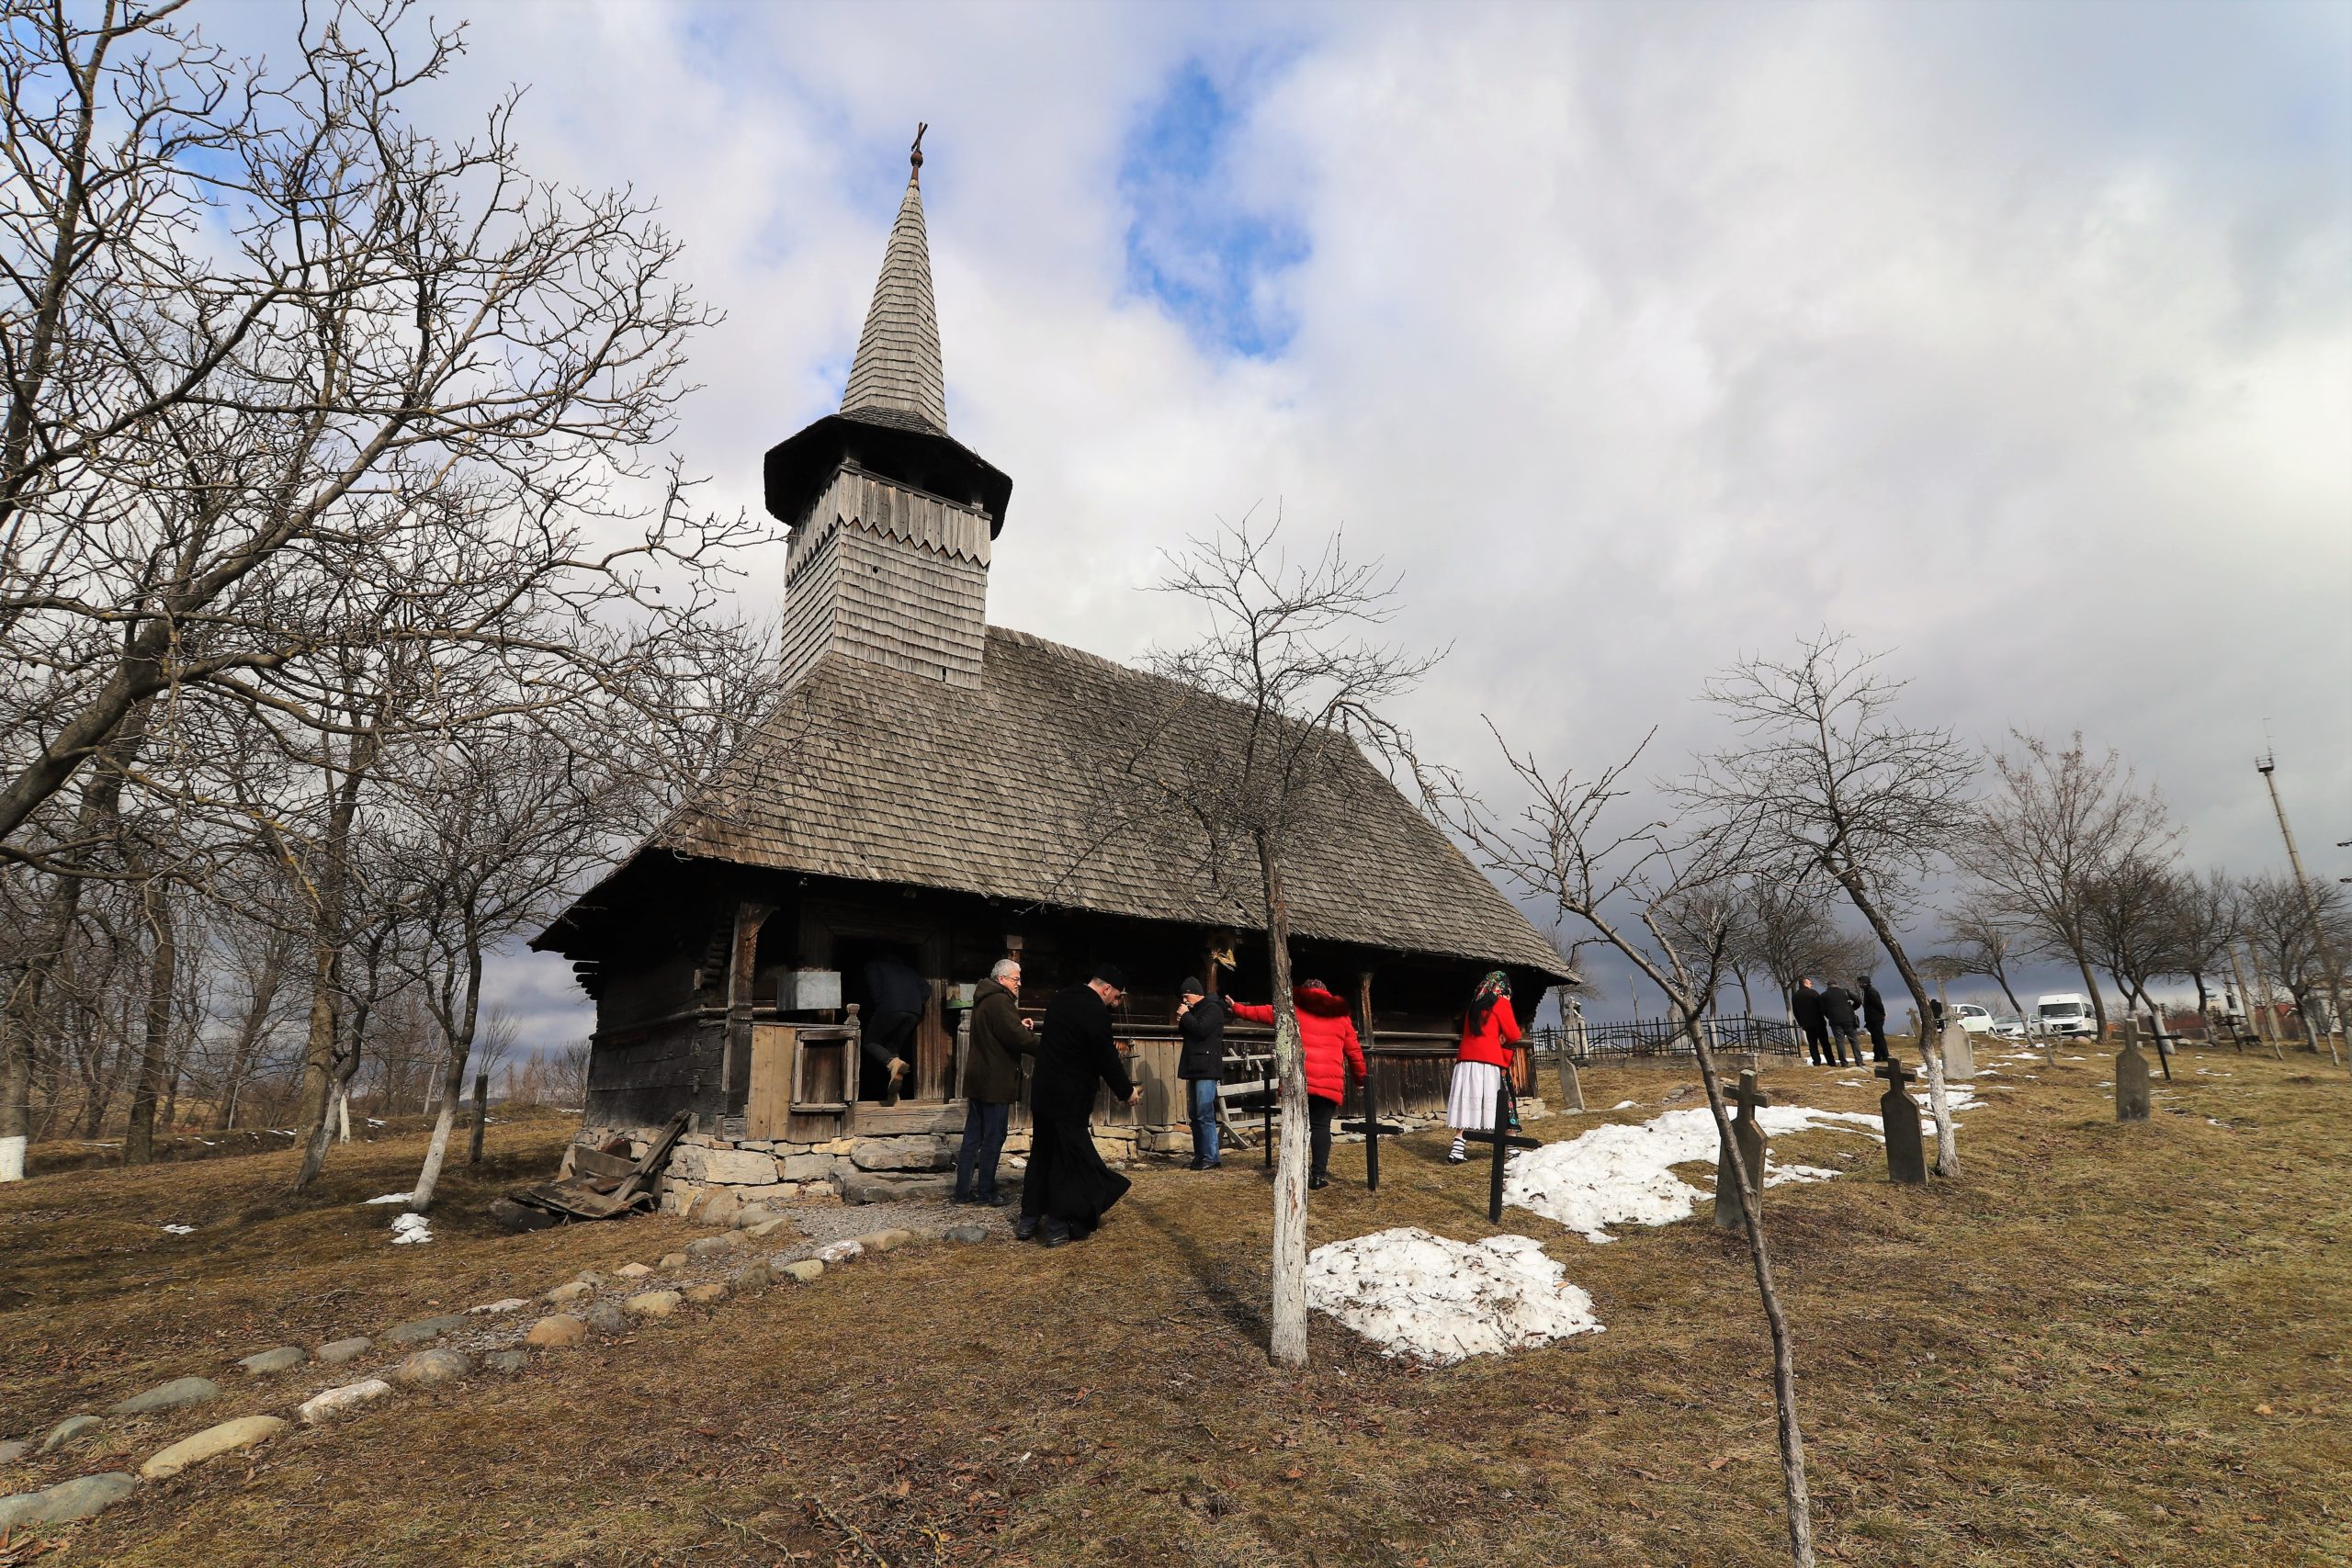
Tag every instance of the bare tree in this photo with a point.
(1296, 688)
(1788, 934)
(2205, 923)
(1831, 775)
(1615, 886)
(1983, 942)
(2132, 913)
(2280, 926)
(2058, 822)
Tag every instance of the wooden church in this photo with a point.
(919, 793)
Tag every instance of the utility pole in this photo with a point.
(2267, 767)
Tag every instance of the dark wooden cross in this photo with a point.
(1907, 1158)
(1372, 1127)
(1747, 1135)
(1504, 1140)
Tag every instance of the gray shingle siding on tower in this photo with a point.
(898, 369)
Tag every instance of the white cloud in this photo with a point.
(1634, 339)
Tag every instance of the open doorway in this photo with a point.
(884, 979)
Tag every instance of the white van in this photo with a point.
(2067, 1015)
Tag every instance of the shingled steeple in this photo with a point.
(891, 517)
(897, 370)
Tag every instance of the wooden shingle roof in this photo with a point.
(898, 378)
(874, 775)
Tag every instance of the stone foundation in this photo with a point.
(710, 1178)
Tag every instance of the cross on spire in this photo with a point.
(897, 375)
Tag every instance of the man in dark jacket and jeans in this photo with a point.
(1201, 1019)
(1838, 1007)
(992, 1082)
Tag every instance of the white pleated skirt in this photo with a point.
(1470, 1103)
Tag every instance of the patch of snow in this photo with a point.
(1776, 1174)
(179, 1230)
(1438, 1300)
(1623, 1175)
(511, 1303)
(389, 1198)
(839, 1252)
(411, 1228)
(1624, 1105)
(1957, 1096)
(1851, 1083)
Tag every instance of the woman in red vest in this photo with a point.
(1489, 1029)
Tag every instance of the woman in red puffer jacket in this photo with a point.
(1489, 1029)
(1327, 1035)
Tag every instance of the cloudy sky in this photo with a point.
(2015, 339)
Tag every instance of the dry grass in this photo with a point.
(2104, 1344)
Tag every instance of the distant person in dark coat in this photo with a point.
(991, 1082)
(1805, 1003)
(1068, 1189)
(898, 997)
(1874, 1018)
(1845, 1025)
(1201, 1019)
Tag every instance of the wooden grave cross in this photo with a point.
(1906, 1158)
(1747, 1134)
(1372, 1127)
(1504, 1140)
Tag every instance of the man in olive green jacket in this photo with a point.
(992, 1082)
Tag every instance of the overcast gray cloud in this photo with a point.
(2016, 339)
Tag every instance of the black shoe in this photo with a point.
(1198, 1164)
(1053, 1234)
(1317, 1183)
(1211, 1165)
(995, 1200)
(965, 1198)
(1024, 1227)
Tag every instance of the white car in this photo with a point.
(1973, 1019)
(2010, 1026)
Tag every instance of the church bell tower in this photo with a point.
(891, 518)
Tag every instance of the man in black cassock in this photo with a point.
(1068, 1189)
(1806, 1005)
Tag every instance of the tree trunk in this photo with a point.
(1947, 1145)
(2090, 985)
(138, 1139)
(453, 1081)
(1797, 1494)
(1287, 1343)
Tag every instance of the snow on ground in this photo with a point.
(1421, 1295)
(1624, 1105)
(1623, 1175)
(179, 1230)
(388, 1198)
(409, 1228)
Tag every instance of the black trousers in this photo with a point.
(891, 1035)
(1319, 1136)
(1817, 1043)
(1878, 1042)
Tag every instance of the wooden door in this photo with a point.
(767, 1107)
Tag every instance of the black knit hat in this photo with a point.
(1112, 975)
(1192, 987)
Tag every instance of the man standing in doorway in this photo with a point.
(1068, 1189)
(1805, 1004)
(898, 997)
(992, 1082)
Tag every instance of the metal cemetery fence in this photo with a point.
(1664, 1039)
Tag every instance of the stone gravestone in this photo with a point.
(2131, 1077)
(1748, 1133)
(1960, 1054)
(1906, 1159)
(1571, 1085)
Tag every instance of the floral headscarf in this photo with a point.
(1493, 988)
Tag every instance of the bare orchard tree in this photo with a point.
(2132, 915)
(1829, 772)
(1789, 933)
(1617, 885)
(267, 341)
(1292, 686)
(2278, 926)
(2056, 824)
(1983, 941)
(2205, 923)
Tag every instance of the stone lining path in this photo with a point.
(765, 1250)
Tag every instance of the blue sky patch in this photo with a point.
(1192, 244)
